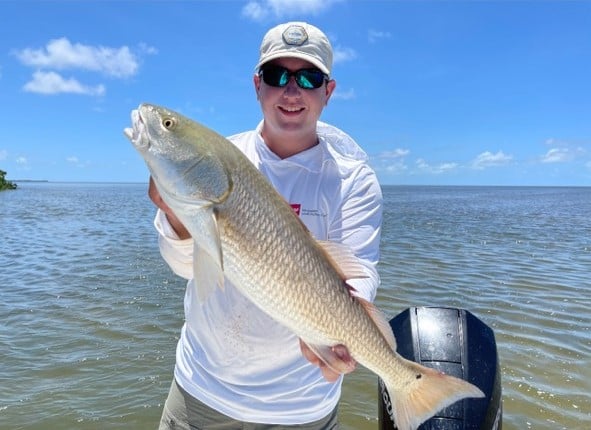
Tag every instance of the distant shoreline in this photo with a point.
(46, 181)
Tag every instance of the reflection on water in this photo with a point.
(90, 313)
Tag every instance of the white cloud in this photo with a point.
(395, 153)
(395, 166)
(146, 49)
(422, 164)
(255, 11)
(54, 83)
(488, 159)
(23, 164)
(75, 161)
(259, 10)
(437, 169)
(557, 155)
(61, 54)
(3, 154)
(341, 55)
(563, 151)
(344, 95)
(391, 162)
(445, 167)
(374, 36)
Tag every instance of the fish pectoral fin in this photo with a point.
(218, 189)
(336, 357)
(208, 262)
(207, 273)
(344, 260)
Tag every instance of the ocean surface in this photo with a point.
(90, 314)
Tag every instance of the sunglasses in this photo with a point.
(307, 79)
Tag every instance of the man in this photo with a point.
(236, 367)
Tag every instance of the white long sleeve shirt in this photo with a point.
(232, 356)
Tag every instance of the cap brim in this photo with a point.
(289, 54)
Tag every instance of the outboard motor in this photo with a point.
(457, 343)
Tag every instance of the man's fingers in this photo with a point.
(154, 195)
(309, 354)
(339, 351)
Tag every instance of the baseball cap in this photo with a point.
(297, 40)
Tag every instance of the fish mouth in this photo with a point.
(137, 132)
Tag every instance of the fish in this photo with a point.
(244, 230)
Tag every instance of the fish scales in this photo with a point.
(280, 251)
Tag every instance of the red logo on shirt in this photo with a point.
(296, 208)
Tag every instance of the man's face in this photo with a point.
(291, 109)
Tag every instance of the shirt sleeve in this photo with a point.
(357, 224)
(178, 253)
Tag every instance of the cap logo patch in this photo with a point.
(295, 35)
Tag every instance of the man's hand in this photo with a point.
(177, 226)
(340, 352)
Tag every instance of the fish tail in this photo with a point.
(428, 392)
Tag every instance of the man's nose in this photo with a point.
(292, 87)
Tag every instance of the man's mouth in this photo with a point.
(291, 109)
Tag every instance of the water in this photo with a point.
(90, 314)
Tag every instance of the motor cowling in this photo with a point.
(457, 343)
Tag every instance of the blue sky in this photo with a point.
(436, 92)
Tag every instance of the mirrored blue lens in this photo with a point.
(277, 76)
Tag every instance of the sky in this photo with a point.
(436, 92)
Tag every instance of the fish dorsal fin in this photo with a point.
(343, 259)
(379, 320)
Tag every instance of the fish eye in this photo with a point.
(169, 123)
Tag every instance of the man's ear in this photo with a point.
(257, 84)
(330, 87)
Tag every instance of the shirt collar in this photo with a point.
(311, 159)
